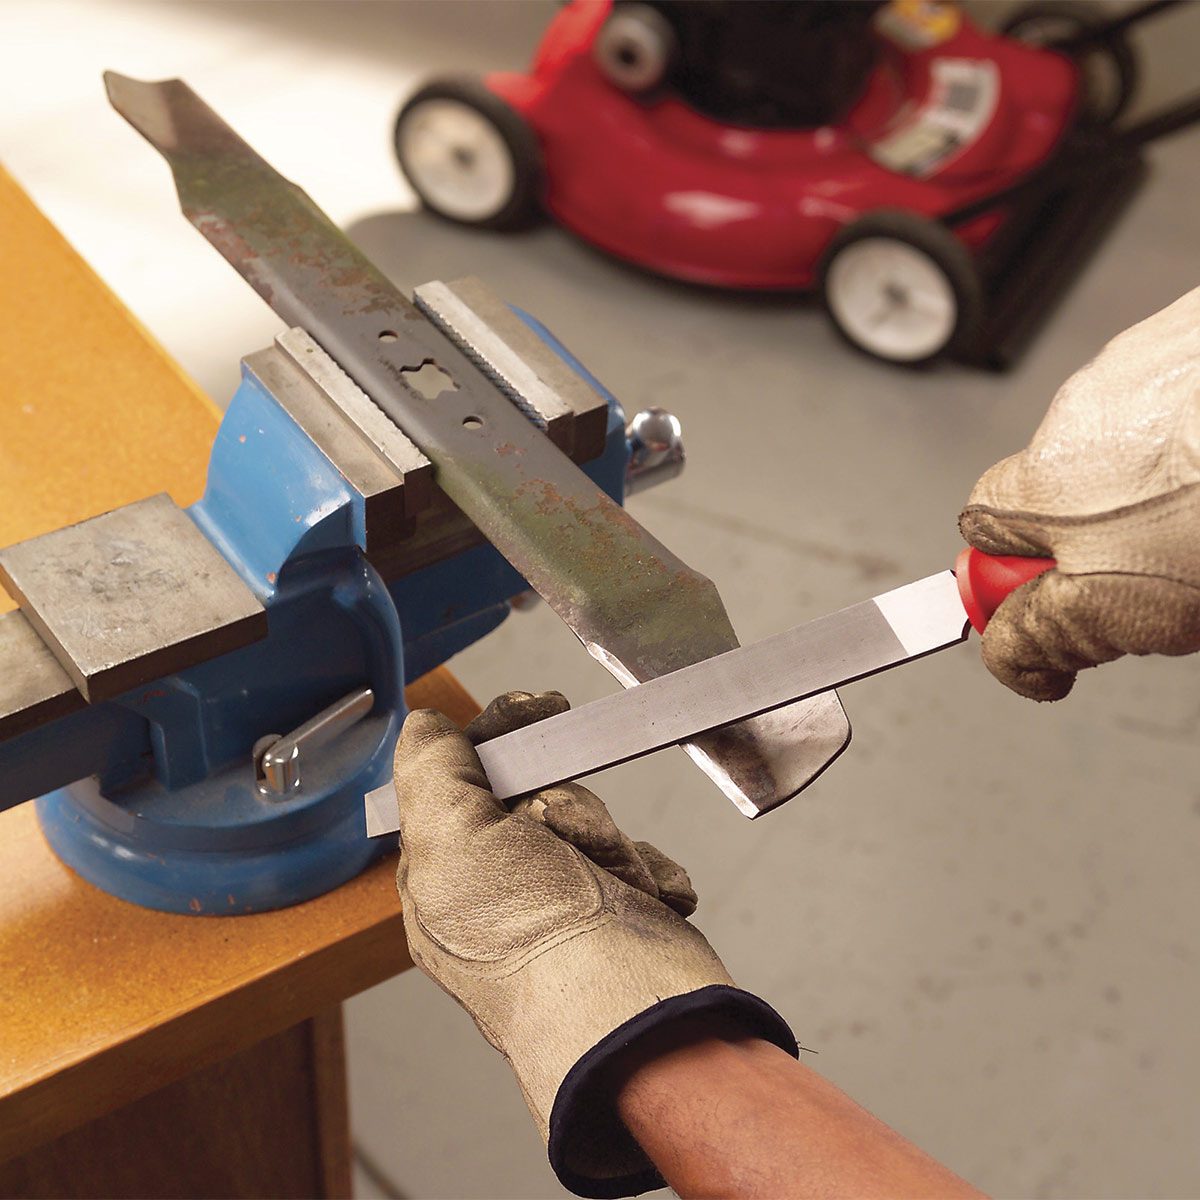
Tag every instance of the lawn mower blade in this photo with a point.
(637, 608)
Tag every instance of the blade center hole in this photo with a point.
(429, 379)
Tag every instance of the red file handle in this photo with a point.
(985, 579)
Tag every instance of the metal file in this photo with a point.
(854, 642)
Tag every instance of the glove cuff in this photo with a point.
(590, 1150)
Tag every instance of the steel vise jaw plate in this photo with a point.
(34, 688)
(520, 363)
(129, 596)
(394, 479)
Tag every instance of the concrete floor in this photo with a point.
(984, 916)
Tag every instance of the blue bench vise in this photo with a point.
(200, 698)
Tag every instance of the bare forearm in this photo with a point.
(740, 1118)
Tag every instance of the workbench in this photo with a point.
(142, 1053)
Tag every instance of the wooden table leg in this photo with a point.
(269, 1121)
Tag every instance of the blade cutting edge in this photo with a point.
(873, 635)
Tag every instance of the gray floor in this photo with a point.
(984, 917)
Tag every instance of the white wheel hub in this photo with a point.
(891, 299)
(457, 159)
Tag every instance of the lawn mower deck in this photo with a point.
(937, 184)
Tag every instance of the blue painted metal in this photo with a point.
(173, 820)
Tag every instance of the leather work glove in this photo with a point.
(564, 940)
(1110, 487)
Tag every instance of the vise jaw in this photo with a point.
(170, 673)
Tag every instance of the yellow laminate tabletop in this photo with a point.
(103, 1001)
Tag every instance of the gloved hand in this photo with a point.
(564, 940)
(1110, 487)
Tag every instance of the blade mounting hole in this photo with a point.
(429, 379)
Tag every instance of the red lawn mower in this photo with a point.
(935, 183)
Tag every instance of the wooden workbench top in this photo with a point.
(93, 412)
(103, 1001)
